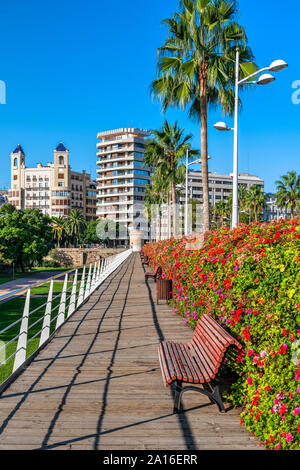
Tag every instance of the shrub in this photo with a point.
(248, 280)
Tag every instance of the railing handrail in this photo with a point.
(77, 293)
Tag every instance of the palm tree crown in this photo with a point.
(288, 191)
(165, 151)
(197, 63)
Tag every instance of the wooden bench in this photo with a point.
(154, 274)
(145, 260)
(196, 362)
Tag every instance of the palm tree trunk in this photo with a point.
(292, 208)
(174, 207)
(204, 162)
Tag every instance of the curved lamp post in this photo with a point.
(187, 164)
(264, 79)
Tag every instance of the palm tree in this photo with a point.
(197, 66)
(164, 152)
(222, 211)
(58, 227)
(75, 225)
(288, 191)
(255, 201)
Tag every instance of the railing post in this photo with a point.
(81, 289)
(47, 317)
(62, 306)
(93, 284)
(20, 356)
(88, 284)
(72, 304)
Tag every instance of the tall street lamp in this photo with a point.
(187, 164)
(264, 79)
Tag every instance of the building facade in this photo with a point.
(272, 211)
(122, 178)
(220, 186)
(55, 189)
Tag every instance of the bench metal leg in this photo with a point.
(214, 396)
(177, 398)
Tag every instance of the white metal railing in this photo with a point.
(57, 309)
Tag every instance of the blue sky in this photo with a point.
(74, 68)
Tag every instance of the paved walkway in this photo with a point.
(98, 384)
(26, 281)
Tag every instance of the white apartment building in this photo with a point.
(273, 212)
(220, 186)
(54, 188)
(122, 179)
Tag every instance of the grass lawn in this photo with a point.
(57, 288)
(10, 312)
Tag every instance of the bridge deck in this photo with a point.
(98, 384)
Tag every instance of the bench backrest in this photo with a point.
(211, 341)
(158, 271)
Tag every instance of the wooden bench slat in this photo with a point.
(197, 376)
(210, 342)
(201, 364)
(203, 337)
(168, 378)
(224, 333)
(174, 362)
(211, 367)
(168, 363)
(215, 333)
(188, 376)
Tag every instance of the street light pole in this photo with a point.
(235, 191)
(264, 79)
(186, 193)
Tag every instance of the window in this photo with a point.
(61, 160)
(61, 175)
(140, 181)
(141, 172)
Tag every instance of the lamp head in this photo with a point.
(265, 79)
(278, 65)
(222, 126)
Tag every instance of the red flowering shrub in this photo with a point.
(248, 280)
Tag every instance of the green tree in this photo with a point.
(255, 201)
(288, 191)
(222, 212)
(75, 225)
(197, 66)
(90, 232)
(58, 229)
(164, 152)
(25, 236)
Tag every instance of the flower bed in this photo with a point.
(248, 280)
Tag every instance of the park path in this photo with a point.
(98, 385)
(25, 282)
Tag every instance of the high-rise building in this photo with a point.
(55, 189)
(122, 177)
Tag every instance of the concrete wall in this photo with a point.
(80, 256)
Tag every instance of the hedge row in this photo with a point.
(248, 280)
